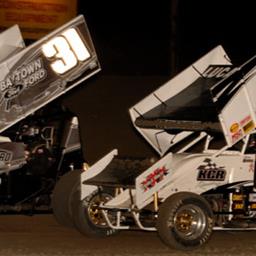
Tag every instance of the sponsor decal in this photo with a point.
(209, 171)
(5, 156)
(22, 78)
(154, 178)
(245, 120)
(245, 126)
(247, 160)
(251, 167)
(248, 127)
(250, 163)
(26, 75)
(237, 136)
(214, 71)
(234, 128)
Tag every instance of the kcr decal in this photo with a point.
(210, 171)
(153, 178)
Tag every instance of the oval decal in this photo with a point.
(234, 127)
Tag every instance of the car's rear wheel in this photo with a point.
(62, 195)
(88, 217)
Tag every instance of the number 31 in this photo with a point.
(68, 49)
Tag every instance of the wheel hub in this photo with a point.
(189, 221)
(94, 211)
(96, 216)
(184, 222)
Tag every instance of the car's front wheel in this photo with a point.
(185, 221)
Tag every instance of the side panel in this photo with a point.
(204, 173)
(238, 117)
(152, 180)
(45, 70)
(192, 173)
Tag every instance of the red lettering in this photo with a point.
(153, 178)
(29, 17)
(32, 6)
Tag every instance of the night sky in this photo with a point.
(142, 44)
(130, 38)
(205, 24)
(140, 37)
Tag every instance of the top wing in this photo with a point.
(210, 96)
(11, 42)
(45, 70)
(184, 104)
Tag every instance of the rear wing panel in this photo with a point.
(238, 116)
(199, 75)
(11, 42)
(46, 70)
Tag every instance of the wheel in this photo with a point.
(87, 218)
(185, 221)
(61, 197)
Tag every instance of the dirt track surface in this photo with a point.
(42, 236)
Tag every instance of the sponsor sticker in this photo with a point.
(238, 130)
(209, 171)
(154, 178)
(234, 128)
(217, 71)
(237, 136)
(22, 78)
(247, 160)
(245, 120)
(248, 127)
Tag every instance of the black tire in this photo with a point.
(62, 196)
(185, 221)
(86, 217)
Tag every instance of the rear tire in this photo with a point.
(185, 221)
(87, 217)
(62, 196)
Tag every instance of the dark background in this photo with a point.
(140, 46)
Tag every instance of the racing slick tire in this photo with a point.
(62, 195)
(185, 221)
(87, 218)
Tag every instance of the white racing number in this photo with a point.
(66, 49)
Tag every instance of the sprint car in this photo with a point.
(39, 139)
(202, 124)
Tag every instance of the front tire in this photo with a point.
(185, 221)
